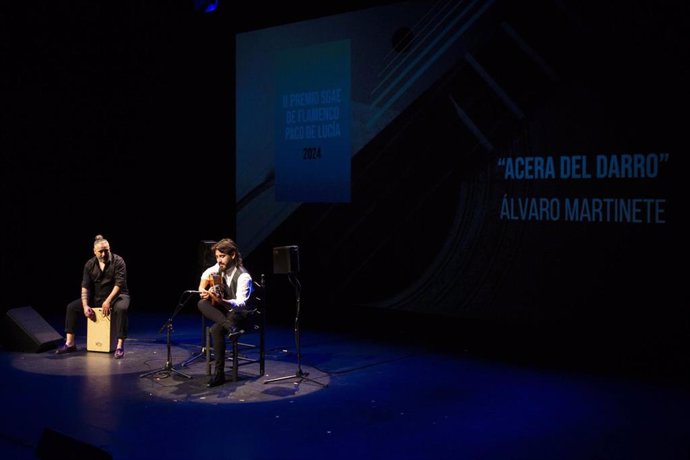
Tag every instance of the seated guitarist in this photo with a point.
(224, 289)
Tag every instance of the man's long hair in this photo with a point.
(229, 247)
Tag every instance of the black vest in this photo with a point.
(231, 289)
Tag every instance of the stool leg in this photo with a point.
(262, 353)
(235, 357)
(208, 351)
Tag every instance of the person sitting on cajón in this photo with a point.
(103, 285)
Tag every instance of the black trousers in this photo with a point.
(120, 306)
(223, 320)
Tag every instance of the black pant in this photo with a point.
(224, 320)
(119, 307)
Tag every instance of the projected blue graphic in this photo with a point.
(312, 148)
(305, 105)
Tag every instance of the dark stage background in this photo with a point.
(119, 119)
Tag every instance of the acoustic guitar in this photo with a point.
(217, 289)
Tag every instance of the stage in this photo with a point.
(375, 399)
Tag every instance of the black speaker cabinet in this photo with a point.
(286, 259)
(54, 446)
(27, 331)
(206, 256)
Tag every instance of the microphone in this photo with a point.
(192, 292)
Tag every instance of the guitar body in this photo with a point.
(217, 289)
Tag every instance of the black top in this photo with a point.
(100, 283)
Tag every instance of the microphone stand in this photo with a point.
(168, 327)
(202, 352)
(300, 374)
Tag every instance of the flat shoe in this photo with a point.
(65, 349)
(119, 353)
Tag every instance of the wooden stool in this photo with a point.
(100, 332)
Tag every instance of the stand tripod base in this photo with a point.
(200, 355)
(167, 368)
(298, 375)
(168, 326)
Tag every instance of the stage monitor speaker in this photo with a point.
(54, 446)
(206, 256)
(27, 331)
(286, 259)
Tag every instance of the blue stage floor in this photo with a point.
(383, 400)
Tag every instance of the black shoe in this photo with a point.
(65, 349)
(216, 380)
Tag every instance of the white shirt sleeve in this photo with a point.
(244, 290)
(207, 273)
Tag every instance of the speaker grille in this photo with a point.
(286, 259)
